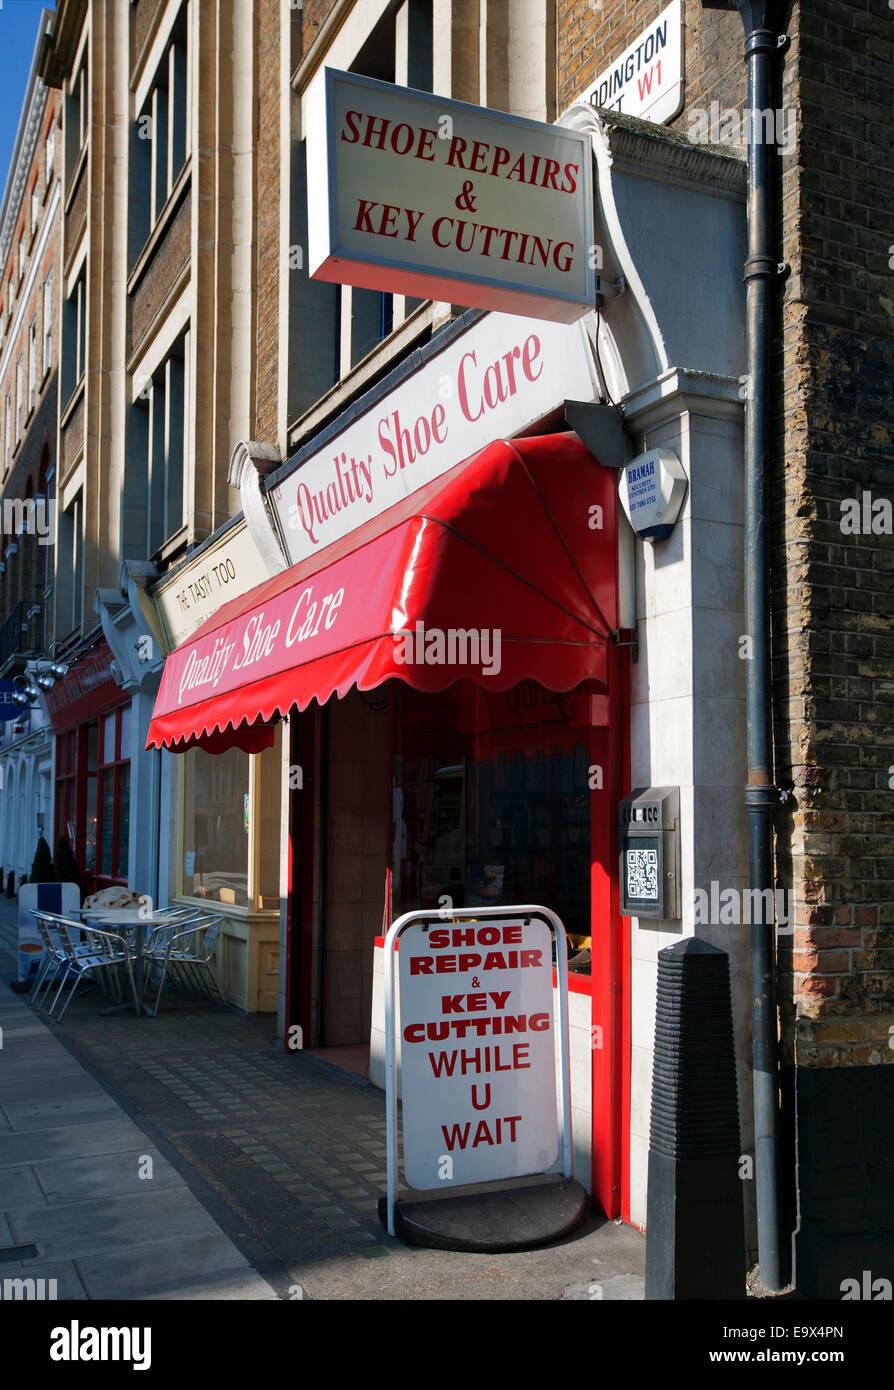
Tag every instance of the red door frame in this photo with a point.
(609, 951)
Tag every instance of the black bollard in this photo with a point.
(695, 1229)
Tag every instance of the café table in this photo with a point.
(109, 918)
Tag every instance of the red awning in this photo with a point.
(503, 569)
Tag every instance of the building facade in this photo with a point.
(29, 344)
(217, 407)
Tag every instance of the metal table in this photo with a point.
(112, 917)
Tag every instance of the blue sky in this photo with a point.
(19, 21)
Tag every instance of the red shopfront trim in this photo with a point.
(87, 690)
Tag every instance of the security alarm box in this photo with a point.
(649, 839)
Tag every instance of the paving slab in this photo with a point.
(181, 1268)
(70, 1230)
(69, 1141)
(42, 1113)
(19, 1188)
(79, 1179)
(45, 1083)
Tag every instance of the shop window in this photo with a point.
(215, 826)
(113, 771)
(91, 822)
(231, 821)
(66, 770)
(491, 804)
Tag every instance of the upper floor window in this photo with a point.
(51, 153)
(8, 433)
(76, 115)
(74, 340)
(20, 392)
(159, 143)
(35, 208)
(161, 413)
(47, 321)
(21, 255)
(80, 94)
(32, 363)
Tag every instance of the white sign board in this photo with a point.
(478, 1052)
(490, 383)
(651, 490)
(224, 571)
(61, 898)
(436, 198)
(647, 79)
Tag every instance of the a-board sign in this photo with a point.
(415, 193)
(478, 1051)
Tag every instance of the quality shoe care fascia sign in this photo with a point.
(419, 195)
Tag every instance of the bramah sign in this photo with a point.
(413, 193)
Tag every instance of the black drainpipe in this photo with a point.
(762, 42)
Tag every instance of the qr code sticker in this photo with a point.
(642, 873)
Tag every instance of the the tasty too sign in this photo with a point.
(478, 1061)
(440, 199)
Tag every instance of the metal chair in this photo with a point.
(54, 957)
(102, 950)
(190, 961)
(174, 917)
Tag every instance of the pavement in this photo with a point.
(190, 1157)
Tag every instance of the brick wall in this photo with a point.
(171, 255)
(143, 14)
(312, 17)
(77, 212)
(592, 33)
(834, 648)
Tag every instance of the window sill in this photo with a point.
(73, 401)
(75, 177)
(171, 547)
(214, 905)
